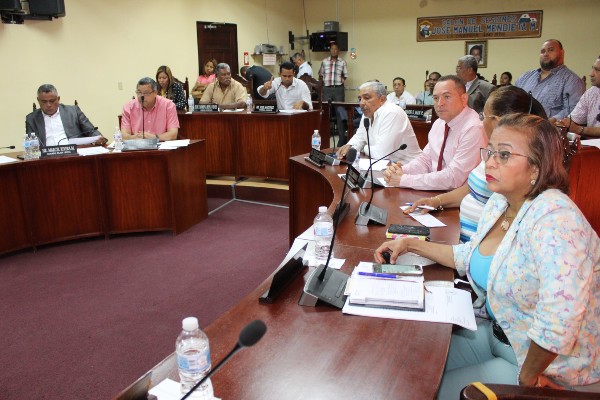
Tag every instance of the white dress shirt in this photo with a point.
(55, 131)
(405, 97)
(287, 96)
(305, 68)
(389, 128)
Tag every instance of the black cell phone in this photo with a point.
(409, 230)
(397, 269)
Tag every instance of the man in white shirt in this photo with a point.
(54, 123)
(400, 96)
(389, 127)
(291, 93)
(304, 67)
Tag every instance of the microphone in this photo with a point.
(368, 212)
(143, 128)
(329, 100)
(249, 336)
(7, 147)
(328, 284)
(364, 183)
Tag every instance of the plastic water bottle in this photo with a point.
(316, 140)
(193, 359)
(34, 147)
(249, 103)
(323, 229)
(26, 149)
(356, 163)
(191, 103)
(118, 138)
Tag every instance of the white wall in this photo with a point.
(102, 42)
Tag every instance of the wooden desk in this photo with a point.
(53, 200)
(251, 145)
(320, 353)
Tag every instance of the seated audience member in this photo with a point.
(400, 96)
(54, 123)
(506, 79)
(149, 116)
(454, 140)
(258, 75)
(170, 88)
(389, 127)
(304, 67)
(553, 84)
(226, 92)
(585, 118)
(291, 93)
(426, 97)
(477, 89)
(472, 196)
(208, 76)
(539, 287)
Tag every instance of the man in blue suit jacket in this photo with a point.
(54, 122)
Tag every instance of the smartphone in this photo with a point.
(406, 270)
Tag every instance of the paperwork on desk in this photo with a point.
(173, 144)
(292, 111)
(84, 140)
(92, 151)
(442, 304)
(591, 142)
(364, 163)
(6, 160)
(426, 219)
(171, 390)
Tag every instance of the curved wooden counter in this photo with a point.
(318, 352)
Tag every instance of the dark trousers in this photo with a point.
(336, 93)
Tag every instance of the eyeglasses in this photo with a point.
(500, 156)
(137, 92)
(482, 116)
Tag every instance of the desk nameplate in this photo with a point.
(206, 107)
(58, 151)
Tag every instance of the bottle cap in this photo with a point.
(322, 209)
(316, 131)
(189, 324)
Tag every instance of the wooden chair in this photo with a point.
(186, 88)
(585, 184)
(245, 83)
(315, 87)
(494, 81)
(515, 392)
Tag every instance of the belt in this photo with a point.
(335, 86)
(499, 333)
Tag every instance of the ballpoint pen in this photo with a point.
(378, 275)
(423, 206)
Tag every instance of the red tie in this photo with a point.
(446, 130)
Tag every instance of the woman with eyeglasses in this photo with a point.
(170, 87)
(534, 264)
(472, 196)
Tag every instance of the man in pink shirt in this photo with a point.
(157, 119)
(454, 142)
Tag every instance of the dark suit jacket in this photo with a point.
(478, 94)
(74, 121)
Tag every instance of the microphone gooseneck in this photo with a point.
(7, 147)
(249, 336)
(367, 123)
(350, 157)
(402, 147)
(331, 108)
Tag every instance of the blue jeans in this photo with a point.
(477, 357)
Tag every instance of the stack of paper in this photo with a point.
(400, 293)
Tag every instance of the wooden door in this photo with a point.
(218, 41)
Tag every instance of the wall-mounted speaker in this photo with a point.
(52, 8)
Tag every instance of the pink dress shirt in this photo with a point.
(461, 154)
(160, 119)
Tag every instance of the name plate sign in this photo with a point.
(265, 108)
(58, 151)
(206, 107)
(414, 114)
(316, 157)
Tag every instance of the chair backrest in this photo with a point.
(315, 87)
(585, 184)
(584, 78)
(494, 81)
(514, 392)
(186, 88)
(245, 82)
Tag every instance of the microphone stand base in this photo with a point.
(374, 215)
(330, 290)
